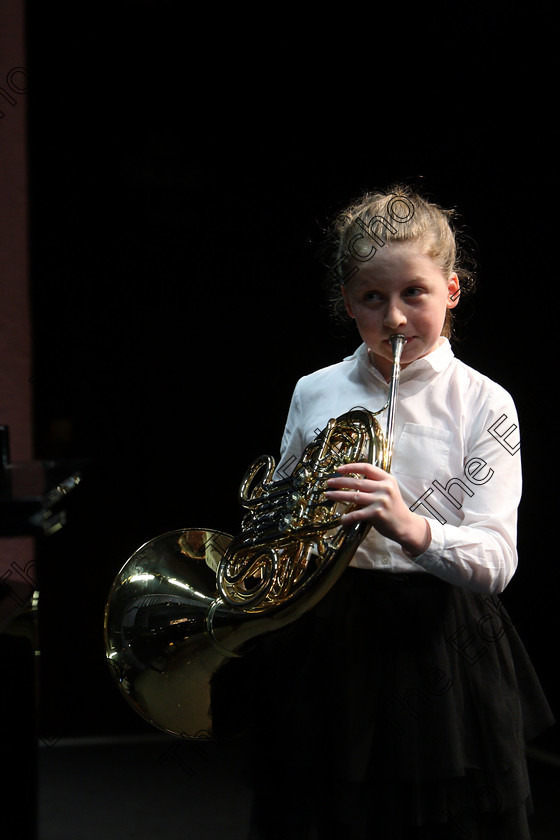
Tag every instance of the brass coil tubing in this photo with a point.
(187, 602)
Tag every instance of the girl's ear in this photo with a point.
(347, 304)
(453, 291)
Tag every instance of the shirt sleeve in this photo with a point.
(480, 554)
(292, 445)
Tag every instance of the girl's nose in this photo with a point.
(394, 318)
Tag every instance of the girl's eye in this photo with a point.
(375, 297)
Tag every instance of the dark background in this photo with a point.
(181, 173)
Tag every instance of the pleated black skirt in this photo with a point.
(399, 707)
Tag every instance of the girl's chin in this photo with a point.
(412, 350)
(412, 345)
(415, 348)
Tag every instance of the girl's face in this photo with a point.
(400, 290)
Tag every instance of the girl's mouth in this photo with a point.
(408, 339)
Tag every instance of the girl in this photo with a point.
(400, 706)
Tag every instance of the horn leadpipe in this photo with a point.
(397, 343)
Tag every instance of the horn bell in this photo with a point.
(186, 605)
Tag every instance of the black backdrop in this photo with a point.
(179, 183)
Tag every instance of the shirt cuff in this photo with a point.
(429, 558)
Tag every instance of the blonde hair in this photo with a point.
(398, 215)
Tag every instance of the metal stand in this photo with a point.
(31, 497)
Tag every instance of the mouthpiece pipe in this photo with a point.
(397, 343)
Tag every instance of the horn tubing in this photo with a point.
(397, 343)
(171, 638)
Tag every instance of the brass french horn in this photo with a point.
(188, 602)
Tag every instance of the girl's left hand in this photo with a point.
(379, 502)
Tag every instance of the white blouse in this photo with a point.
(456, 459)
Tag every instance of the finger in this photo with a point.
(363, 468)
(357, 515)
(342, 484)
(366, 485)
(356, 497)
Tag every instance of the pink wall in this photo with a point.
(16, 554)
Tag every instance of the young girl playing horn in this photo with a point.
(400, 706)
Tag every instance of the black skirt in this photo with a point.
(400, 706)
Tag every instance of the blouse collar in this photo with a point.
(426, 367)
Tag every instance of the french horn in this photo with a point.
(188, 603)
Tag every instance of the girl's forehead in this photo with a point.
(397, 261)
